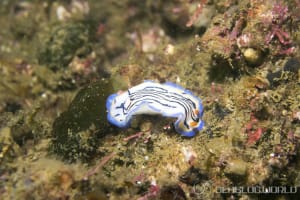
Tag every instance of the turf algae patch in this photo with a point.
(76, 132)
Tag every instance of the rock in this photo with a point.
(172, 192)
(63, 43)
(8, 148)
(193, 176)
(236, 169)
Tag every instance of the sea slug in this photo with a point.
(168, 99)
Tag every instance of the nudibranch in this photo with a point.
(168, 99)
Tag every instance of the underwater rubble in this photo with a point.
(60, 60)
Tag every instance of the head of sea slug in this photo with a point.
(115, 112)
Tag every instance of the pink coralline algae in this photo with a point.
(253, 132)
(275, 23)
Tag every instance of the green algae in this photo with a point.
(36, 87)
(76, 131)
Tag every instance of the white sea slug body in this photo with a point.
(168, 99)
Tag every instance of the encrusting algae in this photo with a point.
(61, 60)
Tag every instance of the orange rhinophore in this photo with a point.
(192, 124)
